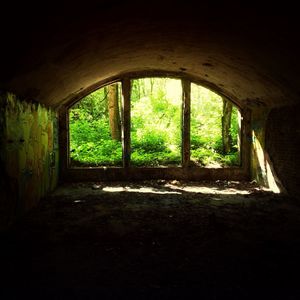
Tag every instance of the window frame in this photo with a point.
(128, 172)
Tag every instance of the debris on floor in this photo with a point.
(164, 234)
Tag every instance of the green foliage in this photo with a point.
(155, 127)
(90, 140)
(155, 119)
(210, 157)
(149, 142)
(234, 129)
(92, 146)
(154, 159)
(206, 129)
(92, 106)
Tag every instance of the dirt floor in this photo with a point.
(155, 239)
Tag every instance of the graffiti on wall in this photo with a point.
(29, 152)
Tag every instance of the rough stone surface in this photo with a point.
(155, 239)
(283, 144)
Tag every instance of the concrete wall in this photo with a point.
(283, 145)
(262, 164)
(275, 148)
(28, 155)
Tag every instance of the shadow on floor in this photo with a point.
(155, 239)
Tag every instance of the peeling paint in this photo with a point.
(28, 153)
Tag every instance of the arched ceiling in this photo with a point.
(247, 53)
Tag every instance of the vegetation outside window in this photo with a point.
(155, 122)
(96, 129)
(214, 129)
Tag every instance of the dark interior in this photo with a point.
(161, 237)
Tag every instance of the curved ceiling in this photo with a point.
(242, 52)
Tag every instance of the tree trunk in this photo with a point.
(105, 101)
(151, 85)
(114, 115)
(226, 123)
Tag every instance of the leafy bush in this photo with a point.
(91, 144)
(154, 159)
(156, 127)
(149, 142)
(204, 156)
(231, 159)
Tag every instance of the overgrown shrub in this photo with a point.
(155, 128)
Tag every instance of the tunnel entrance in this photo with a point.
(140, 127)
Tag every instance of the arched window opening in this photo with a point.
(215, 129)
(156, 122)
(95, 129)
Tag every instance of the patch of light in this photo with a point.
(174, 91)
(173, 148)
(114, 189)
(138, 190)
(213, 165)
(265, 166)
(208, 190)
(271, 179)
(79, 201)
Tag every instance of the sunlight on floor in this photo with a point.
(138, 190)
(175, 189)
(208, 190)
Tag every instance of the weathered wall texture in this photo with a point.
(262, 169)
(283, 144)
(28, 155)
